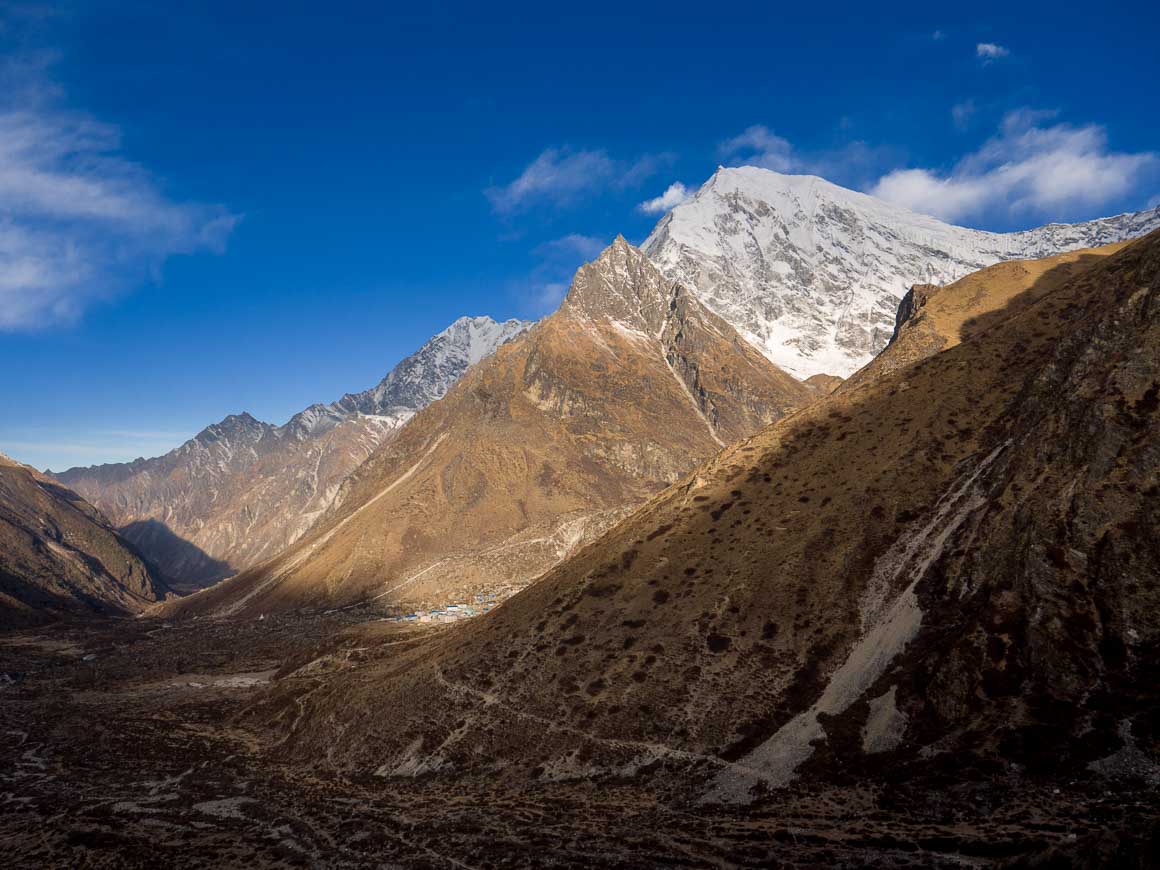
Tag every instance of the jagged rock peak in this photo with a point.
(232, 427)
(427, 374)
(622, 285)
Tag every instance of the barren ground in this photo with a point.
(134, 758)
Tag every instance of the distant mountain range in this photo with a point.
(242, 490)
(533, 453)
(812, 273)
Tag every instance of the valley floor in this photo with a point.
(120, 745)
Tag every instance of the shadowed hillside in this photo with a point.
(59, 556)
(192, 568)
(947, 574)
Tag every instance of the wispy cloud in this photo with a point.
(990, 51)
(569, 247)
(556, 175)
(78, 220)
(760, 146)
(1030, 167)
(545, 286)
(545, 297)
(963, 113)
(562, 176)
(938, 36)
(674, 195)
(853, 163)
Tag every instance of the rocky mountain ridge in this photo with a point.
(242, 490)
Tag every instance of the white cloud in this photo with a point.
(543, 289)
(1154, 202)
(674, 195)
(989, 51)
(854, 163)
(78, 221)
(556, 175)
(560, 176)
(1029, 168)
(546, 298)
(760, 146)
(570, 246)
(938, 36)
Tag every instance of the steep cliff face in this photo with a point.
(535, 451)
(242, 490)
(948, 575)
(59, 556)
(813, 273)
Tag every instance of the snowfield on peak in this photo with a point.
(812, 273)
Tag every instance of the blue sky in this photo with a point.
(206, 209)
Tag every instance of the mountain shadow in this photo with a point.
(185, 566)
(945, 576)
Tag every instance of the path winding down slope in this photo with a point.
(948, 571)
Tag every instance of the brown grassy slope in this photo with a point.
(988, 524)
(932, 318)
(824, 384)
(58, 555)
(599, 406)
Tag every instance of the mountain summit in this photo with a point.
(621, 286)
(421, 378)
(812, 273)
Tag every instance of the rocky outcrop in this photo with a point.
(931, 318)
(910, 306)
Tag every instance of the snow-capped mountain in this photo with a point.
(812, 273)
(421, 378)
(242, 489)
